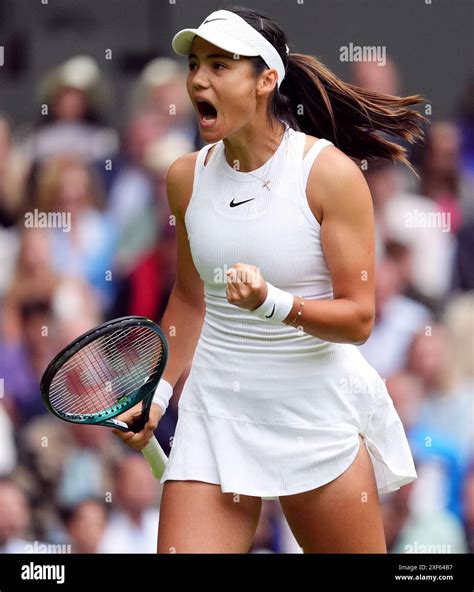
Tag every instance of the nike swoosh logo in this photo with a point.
(270, 315)
(233, 204)
(216, 19)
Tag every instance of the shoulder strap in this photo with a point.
(311, 155)
(201, 157)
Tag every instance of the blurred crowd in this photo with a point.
(86, 235)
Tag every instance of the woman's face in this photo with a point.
(70, 104)
(227, 83)
(87, 525)
(73, 190)
(430, 355)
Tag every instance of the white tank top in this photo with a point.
(274, 230)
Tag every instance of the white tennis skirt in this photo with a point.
(289, 441)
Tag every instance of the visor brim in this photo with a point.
(183, 40)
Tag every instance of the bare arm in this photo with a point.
(347, 238)
(184, 314)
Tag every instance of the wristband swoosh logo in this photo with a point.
(234, 204)
(271, 314)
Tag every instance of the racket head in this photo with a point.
(106, 371)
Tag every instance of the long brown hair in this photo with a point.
(312, 99)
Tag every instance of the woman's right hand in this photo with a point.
(139, 440)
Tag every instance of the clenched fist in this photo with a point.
(245, 286)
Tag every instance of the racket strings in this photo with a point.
(106, 387)
(101, 365)
(92, 395)
(106, 371)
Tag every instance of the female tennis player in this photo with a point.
(274, 291)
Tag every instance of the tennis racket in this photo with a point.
(105, 372)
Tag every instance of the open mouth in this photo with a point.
(207, 113)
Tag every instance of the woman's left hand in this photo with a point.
(245, 286)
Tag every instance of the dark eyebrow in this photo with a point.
(212, 55)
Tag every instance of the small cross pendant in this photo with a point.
(266, 184)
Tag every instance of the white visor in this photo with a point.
(231, 33)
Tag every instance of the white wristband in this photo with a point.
(163, 394)
(276, 307)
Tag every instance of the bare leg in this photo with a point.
(196, 517)
(342, 516)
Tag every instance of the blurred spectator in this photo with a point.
(372, 76)
(14, 518)
(13, 173)
(43, 444)
(463, 272)
(74, 93)
(458, 318)
(423, 531)
(147, 278)
(468, 506)
(448, 401)
(441, 177)
(87, 468)
(85, 524)
(133, 523)
(265, 540)
(161, 89)
(466, 126)
(161, 128)
(159, 156)
(417, 222)
(8, 456)
(146, 288)
(439, 469)
(83, 244)
(287, 542)
(24, 358)
(443, 437)
(132, 189)
(33, 280)
(273, 535)
(138, 201)
(397, 318)
(385, 79)
(407, 393)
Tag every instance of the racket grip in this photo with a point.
(155, 457)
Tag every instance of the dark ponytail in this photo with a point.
(315, 101)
